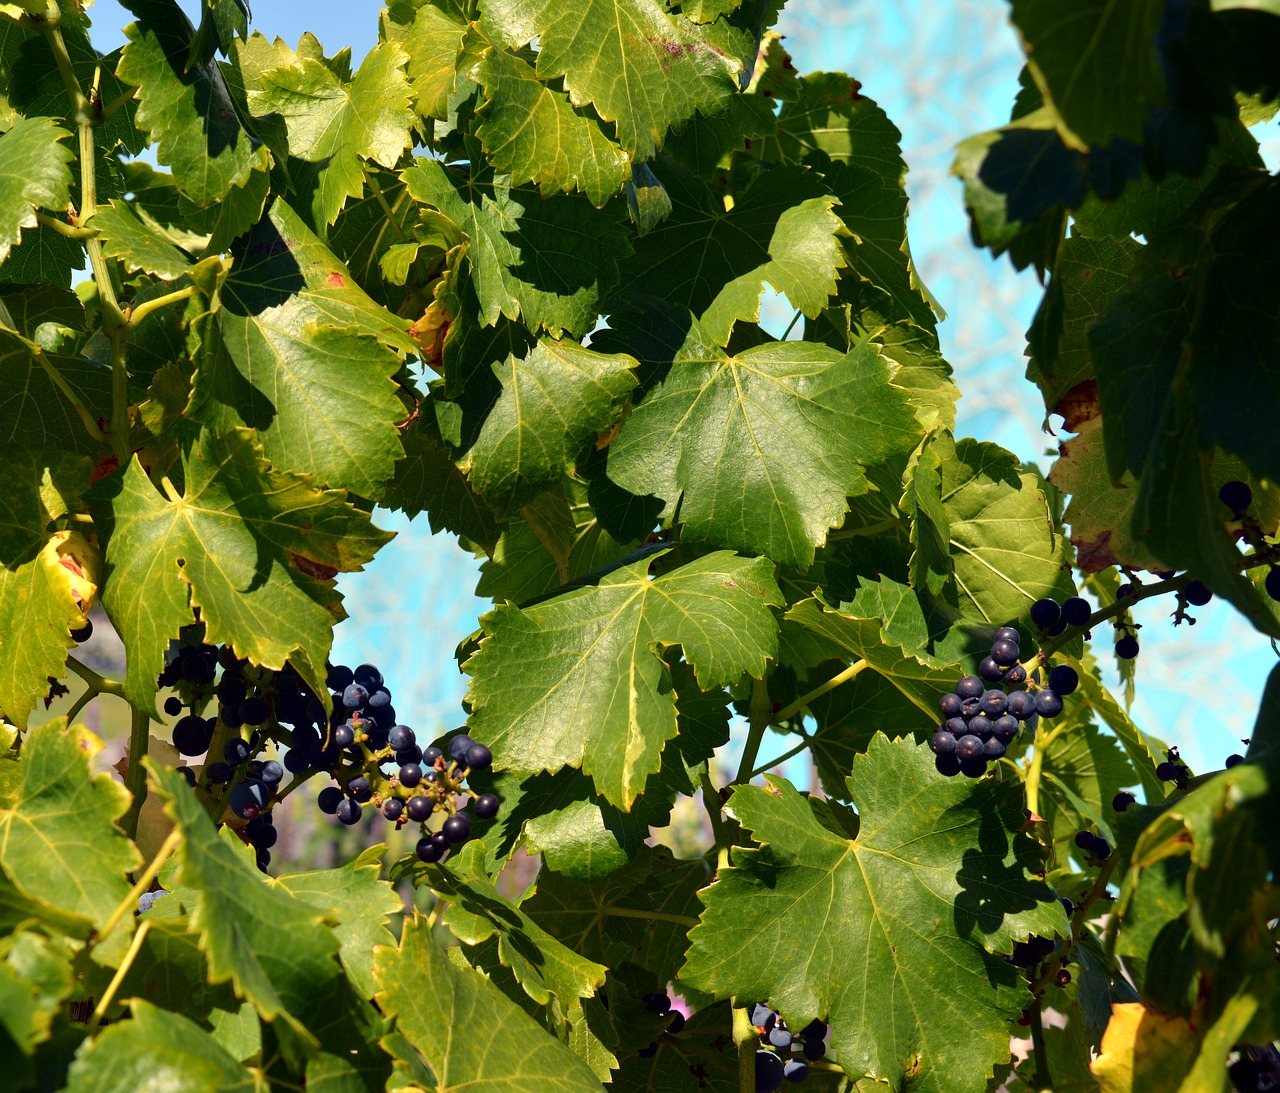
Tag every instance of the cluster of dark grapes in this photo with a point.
(982, 720)
(803, 1048)
(1029, 953)
(1174, 770)
(1093, 844)
(257, 707)
(1256, 1069)
(661, 1005)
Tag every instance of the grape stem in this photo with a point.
(99, 684)
(805, 741)
(711, 802)
(788, 712)
(759, 716)
(744, 1035)
(63, 228)
(1043, 739)
(108, 996)
(1042, 1080)
(136, 779)
(1049, 971)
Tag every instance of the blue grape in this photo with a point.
(942, 743)
(173, 705)
(1005, 729)
(392, 807)
(458, 747)
(486, 806)
(368, 676)
(419, 808)
(981, 726)
(429, 757)
(328, 799)
(1076, 611)
(1007, 633)
(1272, 583)
(192, 735)
(814, 1048)
(1237, 496)
(359, 788)
(1016, 674)
(795, 1070)
(1197, 593)
(1022, 704)
(1063, 679)
(956, 726)
(410, 775)
(235, 752)
(248, 799)
(379, 699)
(188, 774)
(1048, 704)
(354, 697)
(343, 736)
(762, 1016)
(479, 757)
(219, 774)
(253, 711)
(441, 841)
(1045, 613)
(349, 811)
(1122, 800)
(340, 677)
(994, 703)
(970, 687)
(676, 1024)
(769, 1071)
(973, 768)
(947, 765)
(951, 704)
(457, 828)
(1127, 647)
(427, 850)
(993, 749)
(1005, 653)
(271, 773)
(990, 670)
(1167, 772)
(971, 708)
(968, 747)
(401, 737)
(1233, 761)
(658, 1002)
(780, 1037)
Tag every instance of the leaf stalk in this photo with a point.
(137, 314)
(744, 1036)
(136, 780)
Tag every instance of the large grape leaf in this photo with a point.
(139, 245)
(893, 936)
(157, 1049)
(1096, 63)
(506, 1052)
(59, 845)
(43, 599)
(1082, 771)
(762, 448)
(639, 914)
(37, 485)
(362, 904)
(641, 68)
(337, 123)
(35, 175)
(35, 978)
(188, 113)
(550, 262)
(33, 410)
(580, 681)
(305, 358)
(253, 548)
(432, 38)
(781, 230)
(553, 400)
(535, 134)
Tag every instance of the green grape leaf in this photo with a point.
(171, 971)
(639, 914)
(424, 991)
(1100, 511)
(1095, 64)
(33, 410)
(781, 230)
(762, 448)
(579, 680)
(136, 243)
(255, 549)
(305, 358)
(59, 845)
(188, 114)
(534, 133)
(1088, 274)
(361, 903)
(553, 400)
(37, 485)
(43, 599)
(156, 1049)
(35, 977)
(35, 176)
(642, 69)
(1082, 771)
(1005, 551)
(336, 123)
(931, 905)
(931, 566)
(277, 949)
(433, 41)
(586, 839)
(551, 263)
(370, 226)
(551, 973)
(428, 480)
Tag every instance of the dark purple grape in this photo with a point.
(230, 715)
(410, 775)
(947, 765)
(1063, 679)
(265, 837)
(354, 697)
(219, 774)
(956, 726)
(1016, 674)
(391, 808)
(192, 735)
(993, 749)
(83, 633)
(981, 726)
(1197, 593)
(427, 850)
(968, 747)
(348, 811)
(1076, 611)
(1124, 591)
(970, 687)
(762, 1017)
(248, 799)
(253, 711)
(676, 1024)
(344, 736)
(296, 760)
(379, 699)
(1167, 772)
(1086, 840)
(486, 806)
(429, 757)
(658, 1002)
(971, 707)
(479, 757)
(994, 703)
(814, 1048)
(1045, 613)
(1272, 583)
(1022, 704)
(990, 670)
(1236, 495)
(194, 668)
(173, 705)
(1101, 849)
(1233, 761)
(942, 743)
(973, 768)
(779, 1037)
(1005, 653)
(769, 1071)
(368, 676)
(411, 755)
(1004, 729)
(649, 1050)
(188, 774)
(441, 841)
(795, 1070)
(458, 747)
(1127, 647)
(340, 677)
(271, 773)
(1122, 800)
(1007, 633)
(328, 799)
(1048, 704)
(457, 828)
(359, 788)
(950, 704)
(419, 808)
(400, 737)
(235, 752)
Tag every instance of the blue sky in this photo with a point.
(943, 69)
